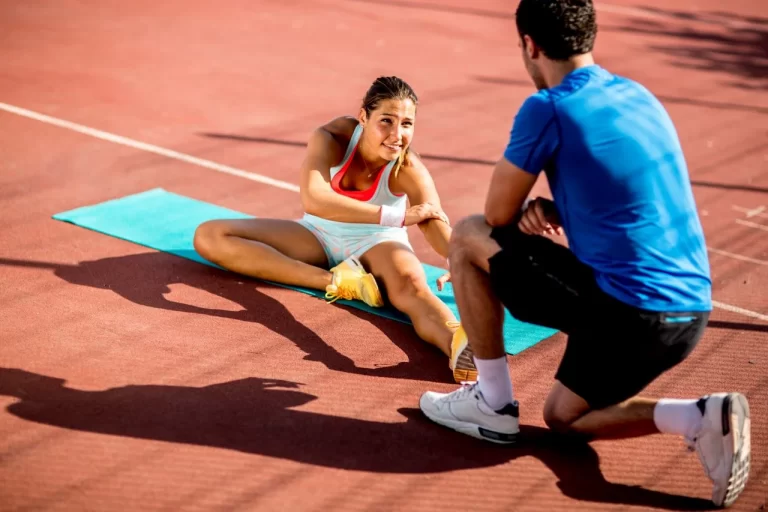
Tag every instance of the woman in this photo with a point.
(356, 178)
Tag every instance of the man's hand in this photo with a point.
(540, 217)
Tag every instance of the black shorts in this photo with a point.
(614, 350)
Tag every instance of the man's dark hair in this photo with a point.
(562, 28)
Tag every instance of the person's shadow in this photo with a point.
(146, 278)
(255, 416)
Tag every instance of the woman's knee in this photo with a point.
(208, 238)
(405, 287)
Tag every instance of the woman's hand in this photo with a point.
(425, 211)
(445, 278)
(540, 217)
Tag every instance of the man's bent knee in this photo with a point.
(557, 423)
(468, 228)
(562, 408)
(471, 239)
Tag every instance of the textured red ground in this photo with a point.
(133, 380)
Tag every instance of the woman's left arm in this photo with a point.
(414, 180)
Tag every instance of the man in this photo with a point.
(633, 292)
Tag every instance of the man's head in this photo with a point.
(554, 30)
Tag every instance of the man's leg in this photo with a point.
(485, 409)
(600, 377)
(717, 426)
(481, 311)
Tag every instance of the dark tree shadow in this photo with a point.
(490, 163)
(300, 144)
(717, 42)
(737, 326)
(144, 279)
(255, 416)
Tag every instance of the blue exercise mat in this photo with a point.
(166, 222)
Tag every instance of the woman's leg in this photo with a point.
(282, 251)
(400, 273)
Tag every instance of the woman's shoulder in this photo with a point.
(412, 163)
(341, 128)
(332, 138)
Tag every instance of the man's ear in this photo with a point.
(530, 47)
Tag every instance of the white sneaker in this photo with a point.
(723, 444)
(465, 411)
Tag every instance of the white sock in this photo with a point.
(494, 381)
(673, 416)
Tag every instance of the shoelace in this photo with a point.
(345, 291)
(461, 393)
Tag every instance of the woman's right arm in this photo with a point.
(320, 200)
(317, 196)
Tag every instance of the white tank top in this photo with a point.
(379, 193)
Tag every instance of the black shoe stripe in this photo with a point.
(490, 434)
(512, 409)
(726, 415)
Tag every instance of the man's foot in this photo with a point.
(352, 282)
(465, 411)
(723, 444)
(462, 362)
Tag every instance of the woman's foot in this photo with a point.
(462, 361)
(350, 281)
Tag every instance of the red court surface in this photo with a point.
(136, 380)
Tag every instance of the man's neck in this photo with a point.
(560, 69)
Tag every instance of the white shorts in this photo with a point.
(342, 240)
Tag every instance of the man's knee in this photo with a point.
(471, 241)
(469, 228)
(557, 422)
(562, 408)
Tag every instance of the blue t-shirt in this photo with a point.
(621, 187)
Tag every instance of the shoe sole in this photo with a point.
(464, 369)
(737, 441)
(464, 375)
(472, 429)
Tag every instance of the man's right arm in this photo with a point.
(533, 141)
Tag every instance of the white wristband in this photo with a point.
(391, 216)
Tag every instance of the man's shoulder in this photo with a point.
(538, 105)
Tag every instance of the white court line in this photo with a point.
(751, 224)
(754, 212)
(125, 141)
(117, 139)
(736, 309)
(737, 256)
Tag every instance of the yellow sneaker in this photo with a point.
(461, 362)
(352, 282)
